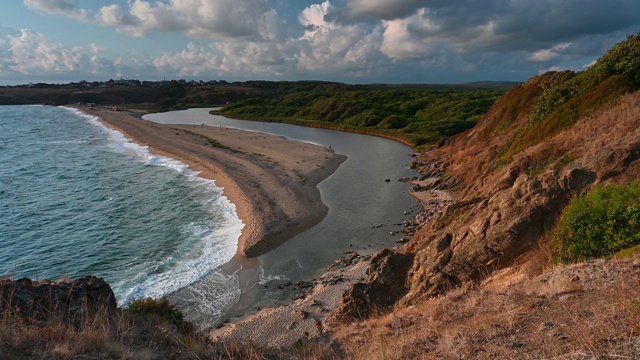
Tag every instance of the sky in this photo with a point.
(350, 41)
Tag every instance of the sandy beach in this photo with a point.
(270, 179)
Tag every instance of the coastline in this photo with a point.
(270, 179)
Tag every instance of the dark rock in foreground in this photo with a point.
(70, 300)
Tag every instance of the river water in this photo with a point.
(358, 198)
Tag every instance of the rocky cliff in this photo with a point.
(543, 142)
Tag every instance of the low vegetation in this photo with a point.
(413, 115)
(569, 96)
(581, 311)
(599, 224)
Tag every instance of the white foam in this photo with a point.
(263, 280)
(208, 246)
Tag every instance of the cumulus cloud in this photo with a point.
(192, 61)
(32, 53)
(500, 25)
(327, 45)
(248, 19)
(59, 7)
(29, 53)
(351, 39)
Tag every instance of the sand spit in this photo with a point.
(271, 180)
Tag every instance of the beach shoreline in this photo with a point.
(271, 180)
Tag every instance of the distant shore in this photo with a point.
(271, 180)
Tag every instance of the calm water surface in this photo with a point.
(358, 199)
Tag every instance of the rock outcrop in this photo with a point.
(384, 285)
(501, 213)
(72, 300)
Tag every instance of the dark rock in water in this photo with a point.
(384, 285)
(387, 180)
(71, 300)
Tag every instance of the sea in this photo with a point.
(78, 198)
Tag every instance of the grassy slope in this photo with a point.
(533, 309)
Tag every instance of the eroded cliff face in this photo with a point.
(503, 210)
(510, 179)
(505, 203)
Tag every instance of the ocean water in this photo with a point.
(77, 198)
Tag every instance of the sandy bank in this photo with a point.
(305, 317)
(271, 180)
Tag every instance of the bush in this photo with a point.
(164, 309)
(604, 222)
(623, 59)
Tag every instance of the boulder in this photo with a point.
(384, 285)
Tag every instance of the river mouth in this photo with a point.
(359, 201)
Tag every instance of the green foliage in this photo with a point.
(429, 115)
(622, 59)
(598, 225)
(164, 309)
(174, 90)
(167, 103)
(568, 96)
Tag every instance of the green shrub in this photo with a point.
(604, 222)
(623, 59)
(164, 309)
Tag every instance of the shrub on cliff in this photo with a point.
(164, 309)
(605, 221)
(623, 59)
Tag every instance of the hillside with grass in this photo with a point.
(537, 254)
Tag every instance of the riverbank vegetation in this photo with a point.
(414, 115)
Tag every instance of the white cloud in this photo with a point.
(545, 55)
(192, 61)
(227, 19)
(226, 58)
(29, 53)
(96, 49)
(329, 46)
(59, 7)
(32, 53)
(313, 17)
(401, 40)
(341, 39)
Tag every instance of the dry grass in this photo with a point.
(124, 335)
(92, 333)
(589, 310)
